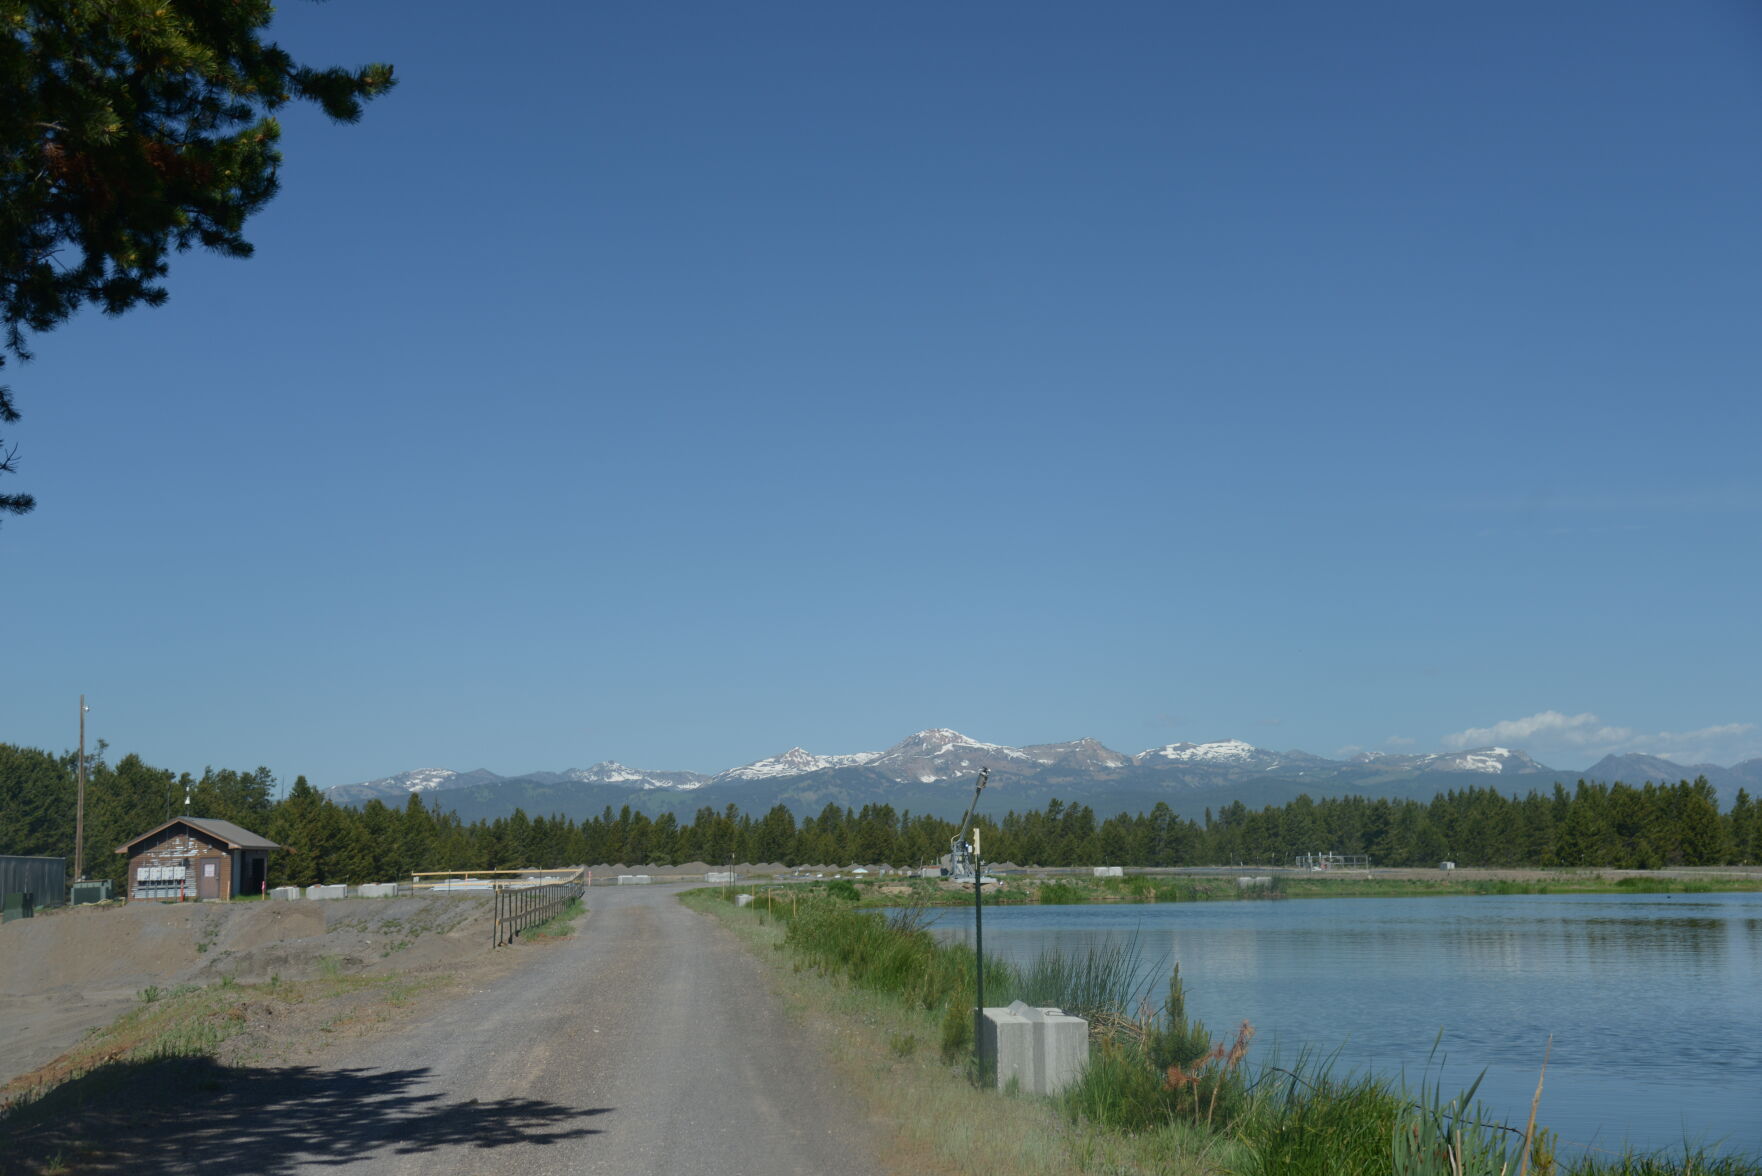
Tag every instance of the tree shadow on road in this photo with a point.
(194, 1115)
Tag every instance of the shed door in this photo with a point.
(208, 880)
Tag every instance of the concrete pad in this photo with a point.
(377, 890)
(317, 892)
(285, 892)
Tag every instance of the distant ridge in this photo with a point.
(929, 770)
(1633, 768)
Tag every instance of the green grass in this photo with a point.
(1645, 885)
(1319, 1126)
(558, 925)
(1063, 893)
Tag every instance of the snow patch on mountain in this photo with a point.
(1077, 754)
(1491, 760)
(795, 762)
(613, 772)
(942, 741)
(420, 780)
(940, 753)
(1222, 752)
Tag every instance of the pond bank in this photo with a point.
(1312, 1121)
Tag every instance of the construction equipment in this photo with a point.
(963, 854)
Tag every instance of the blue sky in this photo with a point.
(677, 383)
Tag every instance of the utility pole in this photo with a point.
(79, 820)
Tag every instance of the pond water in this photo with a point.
(1654, 1001)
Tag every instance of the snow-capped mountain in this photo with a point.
(942, 754)
(1232, 753)
(1492, 761)
(929, 771)
(794, 762)
(1078, 754)
(421, 780)
(613, 772)
(446, 782)
(424, 780)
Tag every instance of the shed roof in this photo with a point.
(234, 836)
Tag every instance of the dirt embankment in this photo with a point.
(68, 971)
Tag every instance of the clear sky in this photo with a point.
(675, 383)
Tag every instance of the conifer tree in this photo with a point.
(416, 836)
(300, 828)
(133, 129)
(1702, 837)
(36, 802)
(1745, 825)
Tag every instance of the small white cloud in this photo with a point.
(1347, 752)
(1578, 730)
(1399, 741)
(1587, 734)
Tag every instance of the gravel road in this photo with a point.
(646, 1043)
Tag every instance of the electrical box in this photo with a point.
(81, 893)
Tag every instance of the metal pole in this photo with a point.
(79, 820)
(978, 958)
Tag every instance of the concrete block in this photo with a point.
(317, 892)
(1064, 1051)
(1006, 1048)
(741, 900)
(721, 877)
(285, 893)
(1042, 1050)
(634, 879)
(1109, 872)
(377, 890)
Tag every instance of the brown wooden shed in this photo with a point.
(196, 857)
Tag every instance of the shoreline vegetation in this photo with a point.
(1252, 883)
(1162, 1093)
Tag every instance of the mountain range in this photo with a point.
(931, 772)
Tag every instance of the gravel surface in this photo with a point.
(77, 968)
(646, 1043)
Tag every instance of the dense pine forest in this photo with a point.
(1590, 824)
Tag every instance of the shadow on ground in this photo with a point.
(193, 1115)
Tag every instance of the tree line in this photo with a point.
(1593, 824)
